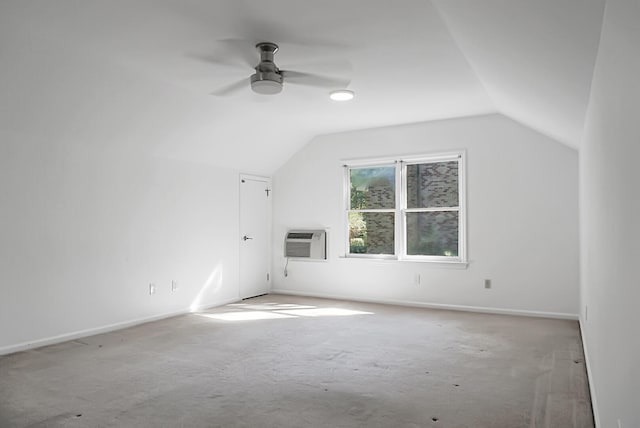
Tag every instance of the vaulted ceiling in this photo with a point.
(136, 76)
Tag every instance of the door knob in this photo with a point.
(246, 238)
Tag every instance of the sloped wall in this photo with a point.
(522, 219)
(93, 209)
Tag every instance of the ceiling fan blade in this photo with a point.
(231, 88)
(217, 60)
(243, 50)
(331, 67)
(236, 53)
(310, 79)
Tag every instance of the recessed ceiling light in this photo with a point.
(342, 95)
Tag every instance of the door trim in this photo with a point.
(266, 180)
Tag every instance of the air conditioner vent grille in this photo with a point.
(298, 249)
(300, 235)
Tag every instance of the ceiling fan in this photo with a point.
(268, 79)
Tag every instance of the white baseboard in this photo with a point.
(499, 311)
(52, 340)
(587, 362)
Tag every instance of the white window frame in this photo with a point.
(394, 210)
(401, 210)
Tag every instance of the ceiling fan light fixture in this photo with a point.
(342, 95)
(266, 87)
(266, 83)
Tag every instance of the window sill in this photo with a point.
(389, 260)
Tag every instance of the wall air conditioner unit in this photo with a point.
(306, 244)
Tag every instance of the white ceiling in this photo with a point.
(132, 75)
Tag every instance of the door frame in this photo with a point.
(267, 181)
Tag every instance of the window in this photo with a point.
(407, 209)
(372, 211)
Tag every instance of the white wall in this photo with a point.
(91, 207)
(84, 230)
(522, 218)
(610, 209)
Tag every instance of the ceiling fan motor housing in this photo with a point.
(267, 79)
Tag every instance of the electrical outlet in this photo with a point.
(487, 283)
(174, 285)
(152, 288)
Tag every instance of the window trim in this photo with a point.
(401, 210)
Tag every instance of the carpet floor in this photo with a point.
(284, 361)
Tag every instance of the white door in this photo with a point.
(255, 224)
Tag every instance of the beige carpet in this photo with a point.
(282, 361)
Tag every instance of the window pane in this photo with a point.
(432, 234)
(432, 185)
(371, 233)
(373, 188)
